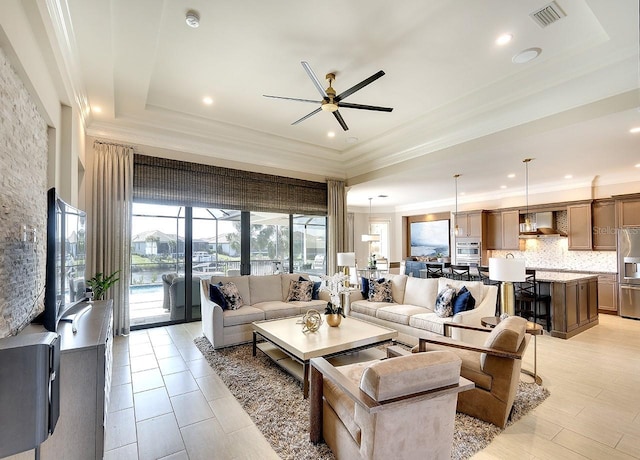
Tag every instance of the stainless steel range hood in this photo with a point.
(544, 224)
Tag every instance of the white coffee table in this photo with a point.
(287, 345)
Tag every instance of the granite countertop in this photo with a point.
(562, 277)
(584, 272)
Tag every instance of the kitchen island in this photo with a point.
(574, 301)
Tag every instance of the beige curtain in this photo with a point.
(110, 224)
(337, 231)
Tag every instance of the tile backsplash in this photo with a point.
(554, 253)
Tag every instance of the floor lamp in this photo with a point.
(346, 260)
(508, 271)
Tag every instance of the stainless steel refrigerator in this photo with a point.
(628, 274)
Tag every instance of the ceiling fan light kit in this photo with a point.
(331, 101)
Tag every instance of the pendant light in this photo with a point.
(369, 237)
(527, 221)
(456, 229)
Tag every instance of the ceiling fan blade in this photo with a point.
(314, 79)
(359, 86)
(292, 99)
(307, 116)
(340, 120)
(346, 105)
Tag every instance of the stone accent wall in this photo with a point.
(23, 202)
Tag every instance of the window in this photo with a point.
(380, 248)
(269, 243)
(309, 244)
(212, 239)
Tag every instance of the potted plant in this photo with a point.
(99, 284)
(335, 285)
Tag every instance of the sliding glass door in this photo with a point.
(310, 244)
(165, 284)
(157, 262)
(269, 243)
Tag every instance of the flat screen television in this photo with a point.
(66, 255)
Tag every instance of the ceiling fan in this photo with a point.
(331, 101)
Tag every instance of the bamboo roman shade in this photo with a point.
(164, 181)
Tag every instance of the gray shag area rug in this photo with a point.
(273, 400)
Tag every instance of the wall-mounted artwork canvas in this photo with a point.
(430, 238)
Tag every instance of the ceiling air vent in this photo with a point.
(548, 14)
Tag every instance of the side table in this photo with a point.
(346, 298)
(532, 328)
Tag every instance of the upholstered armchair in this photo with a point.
(174, 296)
(399, 408)
(494, 368)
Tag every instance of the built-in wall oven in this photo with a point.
(468, 251)
(629, 271)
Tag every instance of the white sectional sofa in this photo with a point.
(412, 311)
(264, 298)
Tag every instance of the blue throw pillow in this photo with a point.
(216, 295)
(464, 301)
(364, 287)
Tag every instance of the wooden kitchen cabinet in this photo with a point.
(580, 229)
(608, 294)
(511, 230)
(592, 305)
(604, 225)
(470, 224)
(493, 239)
(503, 230)
(574, 306)
(570, 294)
(629, 213)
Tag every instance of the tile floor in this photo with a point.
(167, 403)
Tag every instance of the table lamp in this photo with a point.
(346, 260)
(507, 270)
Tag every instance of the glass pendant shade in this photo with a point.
(369, 237)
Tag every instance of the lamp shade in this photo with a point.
(370, 237)
(346, 259)
(507, 269)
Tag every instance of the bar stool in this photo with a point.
(434, 270)
(529, 299)
(460, 272)
(483, 272)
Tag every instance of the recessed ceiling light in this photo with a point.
(192, 19)
(503, 39)
(638, 165)
(96, 109)
(568, 176)
(525, 56)
(503, 186)
(207, 100)
(331, 134)
(511, 176)
(635, 130)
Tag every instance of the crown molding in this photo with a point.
(225, 149)
(58, 13)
